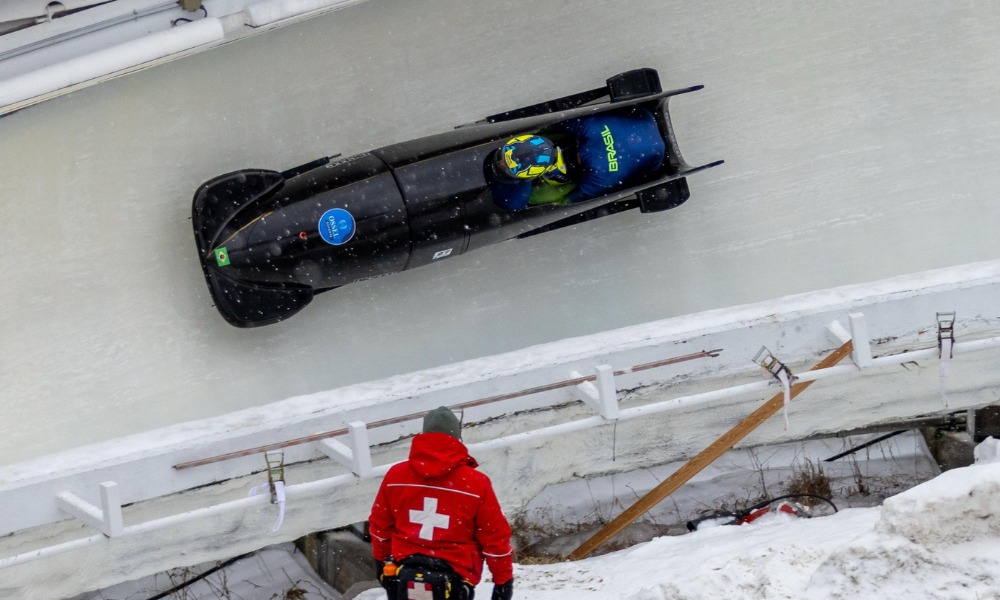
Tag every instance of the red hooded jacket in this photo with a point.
(437, 504)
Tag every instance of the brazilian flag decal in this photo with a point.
(221, 256)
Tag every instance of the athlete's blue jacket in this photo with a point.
(616, 148)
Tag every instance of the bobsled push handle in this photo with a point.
(638, 83)
(670, 191)
(664, 196)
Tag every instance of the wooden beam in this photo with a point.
(702, 460)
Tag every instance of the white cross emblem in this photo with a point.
(429, 518)
(419, 591)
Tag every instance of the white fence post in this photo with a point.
(607, 392)
(111, 505)
(360, 448)
(862, 353)
(357, 457)
(603, 397)
(108, 521)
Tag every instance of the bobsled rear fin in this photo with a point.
(688, 169)
(673, 161)
(251, 305)
(219, 200)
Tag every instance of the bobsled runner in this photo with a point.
(270, 241)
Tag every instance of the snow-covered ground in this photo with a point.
(939, 540)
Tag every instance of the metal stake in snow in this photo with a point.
(946, 342)
(275, 482)
(775, 367)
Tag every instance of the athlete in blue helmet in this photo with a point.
(523, 158)
(518, 164)
(576, 160)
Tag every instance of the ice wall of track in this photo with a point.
(861, 141)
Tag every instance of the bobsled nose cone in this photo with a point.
(246, 304)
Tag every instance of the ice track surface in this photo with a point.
(861, 141)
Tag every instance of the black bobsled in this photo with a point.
(270, 241)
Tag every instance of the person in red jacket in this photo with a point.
(437, 505)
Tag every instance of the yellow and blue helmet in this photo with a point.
(558, 174)
(525, 157)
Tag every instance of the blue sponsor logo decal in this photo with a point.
(336, 226)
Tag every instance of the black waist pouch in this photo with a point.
(425, 578)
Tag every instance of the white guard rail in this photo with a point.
(92, 483)
(56, 57)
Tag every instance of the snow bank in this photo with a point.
(940, 539)
(894, 567)
(961, 505)
(988, 451)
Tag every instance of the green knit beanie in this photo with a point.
(442, 420)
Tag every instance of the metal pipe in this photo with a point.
(825, 373)
(52, 550)
(695, 399)
(132, 15)
(976, 345)
(953, 420)
(293, 491)
(110, 60)
(675, 403)
(898, 359)
(419, 415)
(517, 438)
(867, 444)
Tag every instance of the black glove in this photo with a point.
(503, 591)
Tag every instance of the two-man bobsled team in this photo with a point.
(270, 241)
(576, 160)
